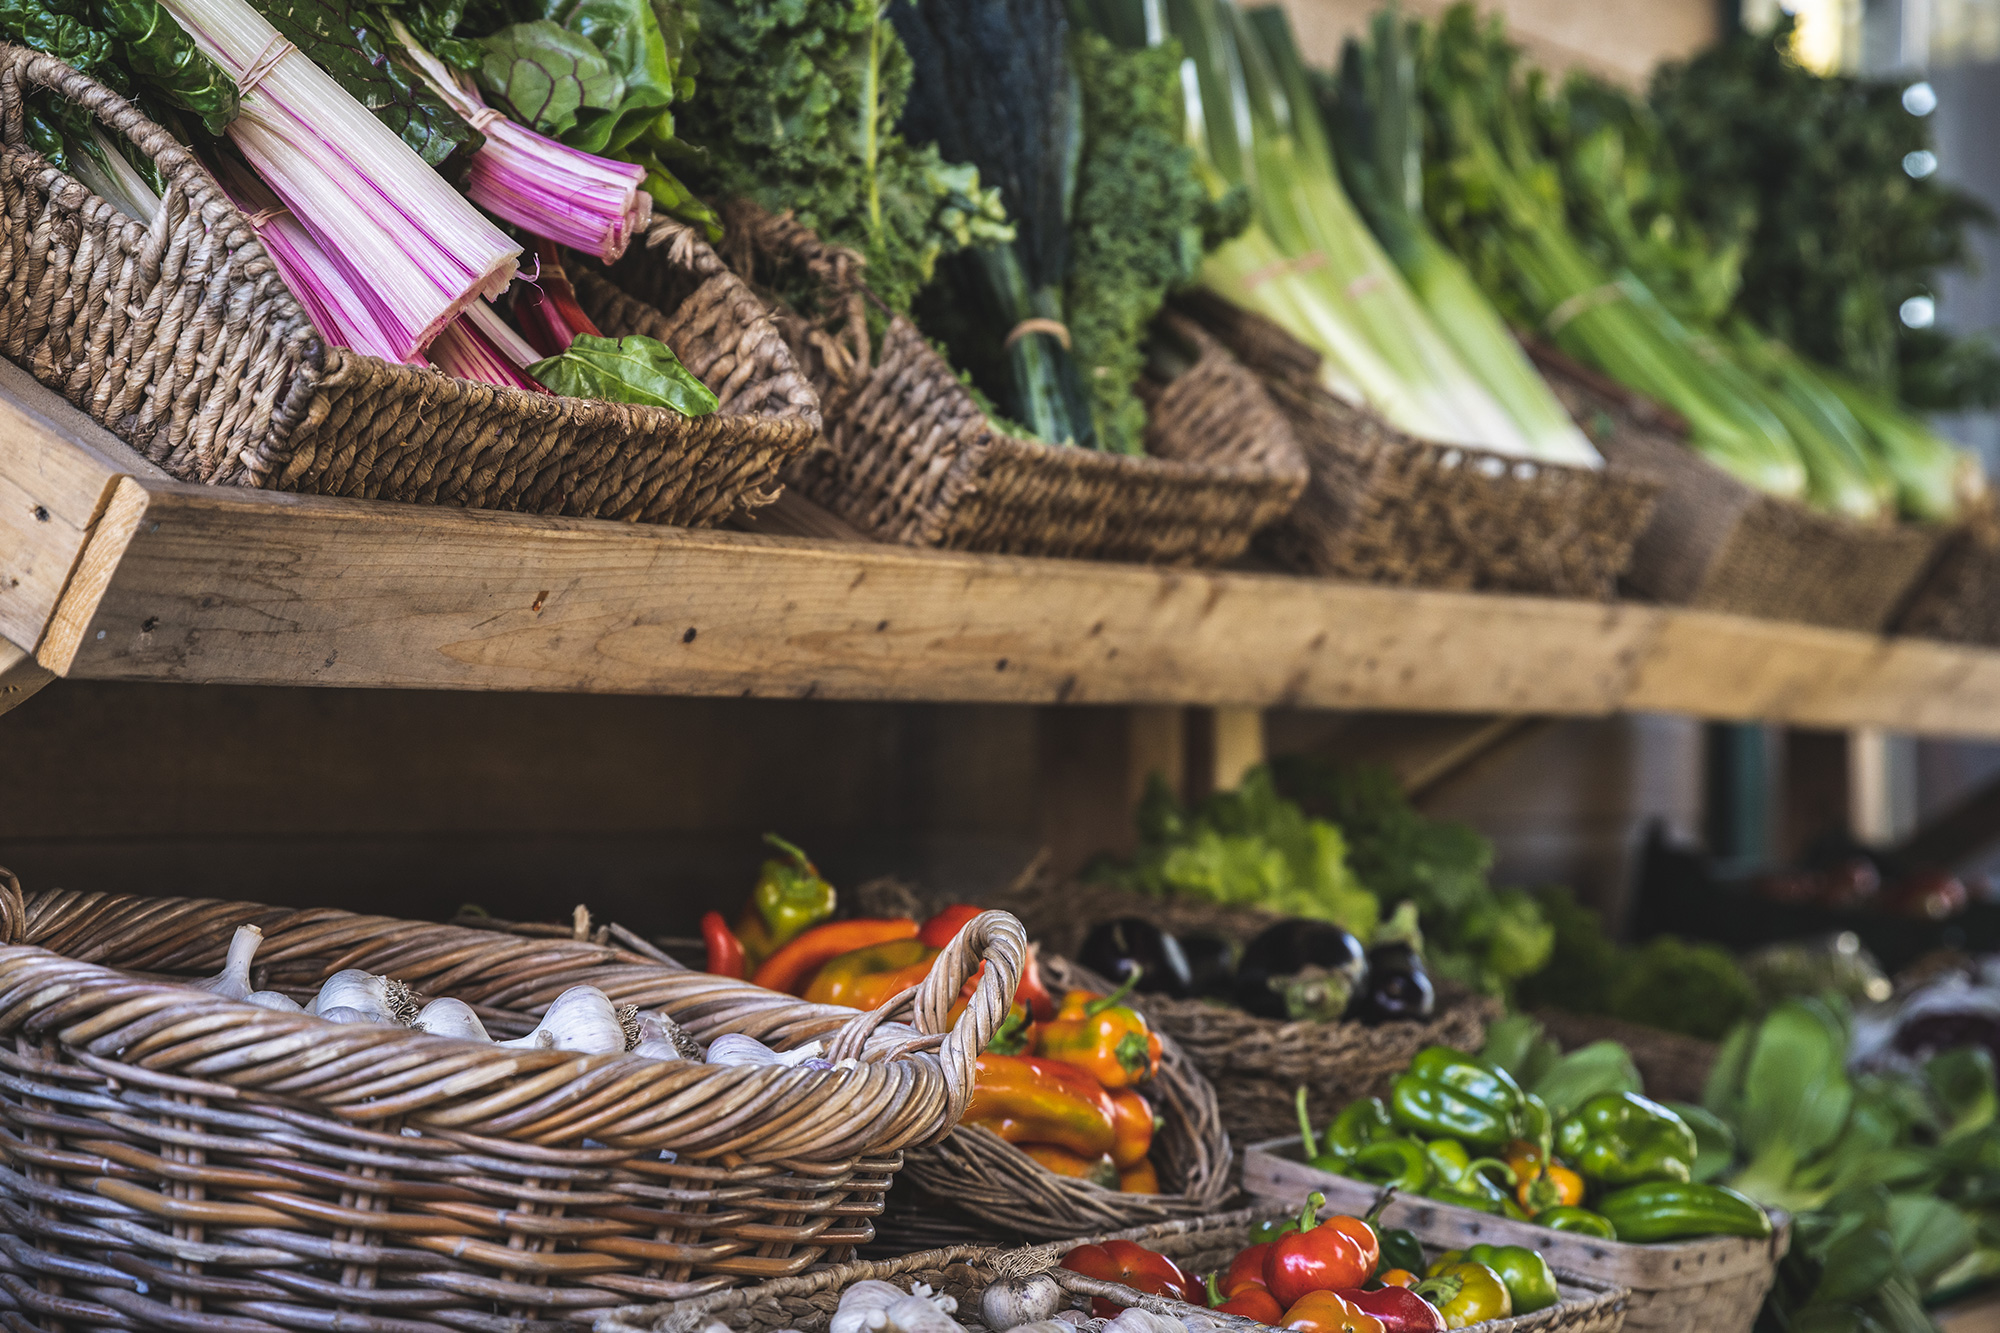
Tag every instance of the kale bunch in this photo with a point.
(797, 108)
(1842, 233)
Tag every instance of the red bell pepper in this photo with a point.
(1400, 1309)
(1324, 1312)
(725, 951)
(943, 928)
(1252, 1303)
(1246, 1270)
(1320, 1256)
(1131, 1265)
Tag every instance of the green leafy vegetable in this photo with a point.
(164, 59)
(632, 369)
(1589, 1071)
(547, 75)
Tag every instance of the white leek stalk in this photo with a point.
(409, 243)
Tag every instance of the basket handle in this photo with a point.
(21, 68)
(993, 940)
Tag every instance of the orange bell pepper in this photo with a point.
(870, 977)
(792, 966)
(1324, 1312)
(1140, 1179)
(1135, 1123)
(1556, 1187)
(1098, 1170)
(1027, 1100)
(1111, 1040)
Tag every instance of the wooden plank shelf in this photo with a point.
(110, 571)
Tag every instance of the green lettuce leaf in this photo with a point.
(549, 75)
(632, 369)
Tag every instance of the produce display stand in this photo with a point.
(109, 570)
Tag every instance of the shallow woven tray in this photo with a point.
(183, 1162)
(912, 458)
(182, 339)
(977, 1174)
(965, 1271)
(1712, 1285)
(1717, 544)
(1959, 598)
(1256, 1064)
(1390, 508)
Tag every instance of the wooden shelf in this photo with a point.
(110, 571)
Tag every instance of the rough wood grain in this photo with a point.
(20, 675)
(51, 492)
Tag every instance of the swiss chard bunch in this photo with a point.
(797, 108)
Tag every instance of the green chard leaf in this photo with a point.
(632, 369)
(344, 38)
(549, 75)
(627, 34)
(160, 54)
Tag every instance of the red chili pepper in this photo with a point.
(1133, 1266)
(1325, 1312)
(1400, 1309)
(1252, 1303)
(1320, 1256)
(725, 951)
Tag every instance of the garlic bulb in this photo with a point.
(1018, 1301)
(451, 1018)
(341, 1013)
(876, 1307)
(1134, 1320)
(382, 999)
(278, 1000)
(660, 1038)
(233, 981)
(733, 1048)
(582, 1020)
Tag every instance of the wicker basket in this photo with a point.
(912, 457)
(977, 1174)
(963, 1272)
(181, 338)
(1674, 1066)
(1717, 544)
(1959, 599)
(183, 1162)
(1712, 1285)
(1390, 508)
(1256, 1064)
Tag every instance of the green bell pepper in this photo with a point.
(1399, 1162)
(1669, 1210)
(1529, 1281)
(1537, 1125)
(1400, 1249)
(1581, 1221)
(1621, 1138)
(1358, 1125)
(1447, 1094)
(790, 896)
(1459, 1177)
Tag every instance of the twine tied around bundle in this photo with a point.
(267, 60)
(1582, 302)
(1055, 328)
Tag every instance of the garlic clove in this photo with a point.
(276, 1000)
(582, 1019)
(660, 1038)
(451, 1018)
(383, 999)
(733, 1048)
(233, 981)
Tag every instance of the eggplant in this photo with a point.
(1116, 949)
(1211, 961)
(1300, 969)
(1398, 986)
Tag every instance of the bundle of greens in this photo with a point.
(797, 109)
(1245, 848)
(1475, 935)
(1840, 231)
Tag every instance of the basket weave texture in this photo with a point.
(963, 1272)
(1717, 544)
(1256, 1064)
(1959, 599)
(912, 458)
(1390, 508)
(977, 1173)
(181, 338)
(1715, 1284)
(183, 1162)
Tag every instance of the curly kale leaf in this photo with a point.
(797, 103)
(1136, 231)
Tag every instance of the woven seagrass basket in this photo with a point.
(1256, 1064)
(1717, 544)
(1958, 600)
(977, 1174)
(1390, 508)
(182, 339)
(963, 1272)
(912, 458)
(179, 1161)
(1713, 1284)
